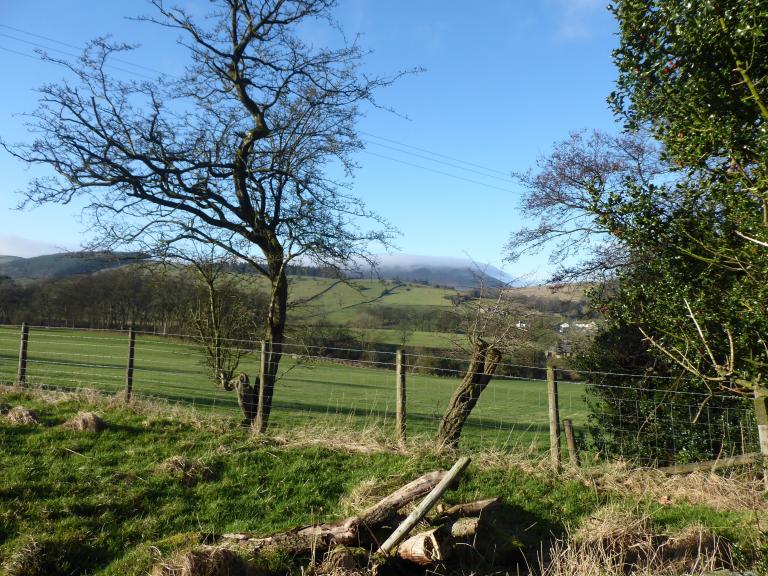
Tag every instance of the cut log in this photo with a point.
(426, 548)
(347, 532)
(468, 509)
(438, 544)
(463, 529)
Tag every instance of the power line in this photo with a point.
(436, 154)
(439, 172)
(481, 170)
(64, 52)
(75, 47)
(451, 164)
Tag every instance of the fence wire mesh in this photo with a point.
(612, 414)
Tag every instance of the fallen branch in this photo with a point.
(425, 506)
(712, 465)
(346, 532)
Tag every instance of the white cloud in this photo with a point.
(11, 245)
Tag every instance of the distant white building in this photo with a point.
(563, 327)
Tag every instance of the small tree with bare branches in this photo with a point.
(491, 324)
(250, 150)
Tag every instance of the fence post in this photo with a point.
(260, 405)
(570, 439)
(554, 419)
(21, 374)
(400, 418)
(129, 369)
(761, 415)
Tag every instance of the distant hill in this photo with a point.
(454, 273)
(6, 259)
(458, 273)
(61, 265)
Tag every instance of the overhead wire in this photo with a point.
(447, 160)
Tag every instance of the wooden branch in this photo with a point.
(476, 508)
(386, 508)
(711, 465)
(345, 532)
(425, 506)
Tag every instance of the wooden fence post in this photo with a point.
(554, 419)
(260, 405)
(129, 370)
(21, 374)
(761, 415)
(570, 439)
(400, 418)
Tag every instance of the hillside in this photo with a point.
(63, 265)
(7, 259)
(452, 273)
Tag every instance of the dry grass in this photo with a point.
(86, 422)
(337, 437)
(26, 560)
(741, 489)
(156, 410)
(208, 562)
(20, 416)
(614, 542)
(188, 472)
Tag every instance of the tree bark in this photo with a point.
(275, 336)
(482, 366)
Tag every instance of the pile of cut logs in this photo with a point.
(437, 538)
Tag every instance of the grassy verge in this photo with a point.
(83, 503)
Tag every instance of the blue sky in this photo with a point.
(503, 80)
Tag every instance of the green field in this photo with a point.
(511, 413)
(108, 504)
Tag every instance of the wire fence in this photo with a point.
(663, 423)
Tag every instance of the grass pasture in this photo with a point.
(511, 413)
(109, 504)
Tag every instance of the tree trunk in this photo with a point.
(275, 336)
(482, 366)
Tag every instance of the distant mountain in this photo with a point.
(60, 265)
(459, 273)
(6, 259)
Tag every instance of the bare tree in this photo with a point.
(569, 192)
(492, 326)
(249, 151)
(224, 318)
